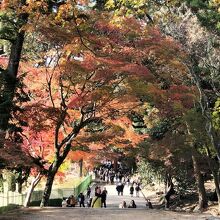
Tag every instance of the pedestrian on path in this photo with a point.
(122, 189)
(103, 197)
(137, 189)
(98, 191)
(81, 199)
(118, 188)
(132, 190)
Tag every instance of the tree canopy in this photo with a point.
(83, 79)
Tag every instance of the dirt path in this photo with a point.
(112, 212)
(100, 214)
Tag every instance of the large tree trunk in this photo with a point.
(34, 183)
(52, 172)
(9, 84)
(59, 158)
(203, 203)
(48, 187)
(50, 178)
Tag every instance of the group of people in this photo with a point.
(135, 186)
(123, 205)
(137, 189)
(132, 204)
(71, 201)
(107, 173)
(99, 200)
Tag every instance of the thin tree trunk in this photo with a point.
(217, 189)
(215, 175)
(169, 193)
(81, 168)
(34, 183)
(204, 104)
(19, 185)
(203, 203)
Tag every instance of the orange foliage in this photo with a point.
(90, 82)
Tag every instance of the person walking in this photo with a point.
(137, 189)
(81, 199)
(103, 197)
(132, 190)
(98, 191)
(122, 189)
(118, 188)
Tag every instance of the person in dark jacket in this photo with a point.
(122, 189)
(132, 204)
(103, 197)
(131, 190)
(137, 189)
(118, 188)
(81, 199)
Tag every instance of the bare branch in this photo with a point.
(49, 79)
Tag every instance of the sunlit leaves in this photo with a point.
(216, 115)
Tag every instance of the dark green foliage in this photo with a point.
(159, 131)
(8, 27)
(151, 171)
(97, 126)
(52, 202)
(207, 14)
(100, 4)
(185, 181)
(81, 148)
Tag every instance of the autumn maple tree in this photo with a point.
(87, 77)
(88, 72)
